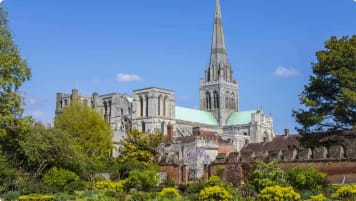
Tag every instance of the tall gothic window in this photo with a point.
(164, 106)
(208, 100)
(233, 101)
(146, 106)
(141, 106)
(159, 105)
(162, 127)
(216, 99)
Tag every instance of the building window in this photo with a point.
(65, 102)
(143, 127)
(216, 99)
(208, 100)
(141, 106)
(162, 127)
(121, 111)
(164, 106)
(146, 106)
(159, 105)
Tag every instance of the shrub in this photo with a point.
(110, 185)
(11, 195)
(278, 193)
(142, 179)
(305, 178)
(36, 197)
(196, 187)
(319, 197)
(215, 193)
(59, 178)
(266, 174)
(63, 197)
(170, 193)
(213, 181)
(347, 192)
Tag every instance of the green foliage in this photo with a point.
(6, 172)
(347, 192)
(110, 185)
(139, 150)
(11, 195)
(88, 129)
(14, 72)
(319, 197)
(59, 178)
(196, 187)
(144, 180)
(266, 174)
(278, 193)
(169, 193)
(215, 193)
(214, 181)
(305, 178)
(330, 96)
(44, 146)
(36, 197)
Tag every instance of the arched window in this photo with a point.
(216, 99)
(164, 106)
(141, 106)
(65, 102)
(159, 105)
(208, 100)
(233, 102)
(146, 106)
(121, 111)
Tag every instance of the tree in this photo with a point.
(87, 128)
(47, 146)
(266, 174)
(138, 150)
(330, 96)
(13, 73)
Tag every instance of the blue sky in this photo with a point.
(166, 43)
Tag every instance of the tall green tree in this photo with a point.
(44, 147)
(139, 150)
(329, 99)
(88, 128)
(13, 73)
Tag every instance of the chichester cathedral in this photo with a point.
(219, 122)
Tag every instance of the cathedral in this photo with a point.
(154, 109)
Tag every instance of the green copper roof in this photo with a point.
(239, 118)
(197, 116)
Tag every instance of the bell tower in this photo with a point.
(219, 90)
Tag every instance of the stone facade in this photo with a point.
(154, 109)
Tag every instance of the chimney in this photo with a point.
(169, 134)
(286, 132)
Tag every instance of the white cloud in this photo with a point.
(122, 77)
(285, 72)
(1, 1)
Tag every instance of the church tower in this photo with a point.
(219, 90)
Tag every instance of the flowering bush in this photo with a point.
(170, 193)
(319, 197)
(215, 193)
(110, 185)
(278, 193)
(347, 192)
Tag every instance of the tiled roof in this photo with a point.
(196, 116)
(278, 143)
(240, 118)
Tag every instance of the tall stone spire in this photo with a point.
(218, 57)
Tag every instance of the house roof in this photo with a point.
(196, 116)
(240, 118)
